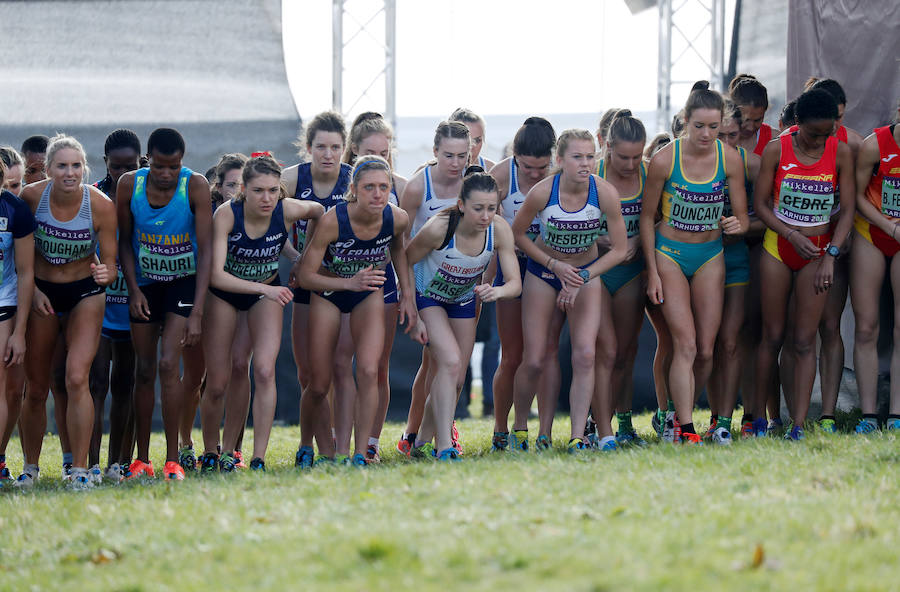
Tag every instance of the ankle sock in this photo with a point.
(67, 458)
(671, 406)
(687, 428)
(373, 442)
(723, 422)
(624, 421)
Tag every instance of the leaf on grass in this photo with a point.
(618, 511)
(759, 556)
(105, 556)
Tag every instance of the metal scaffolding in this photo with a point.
(691, 24)
(364, 28)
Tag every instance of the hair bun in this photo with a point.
(700, 85)
(472, 169)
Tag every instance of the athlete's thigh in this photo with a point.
(809, 305)
(584, 318)
(707, 295)
(538, 308)
(627, 312)
(264, 322)
(441, 338)
(83, 330)
(366, 329)
(676, 306)
(325, 324)
(775, 290)
(464, 331)
(219, 325)
(867, 269)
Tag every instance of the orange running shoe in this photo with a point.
(173, 471)
(691, 439)
(139, 469)
(454, 438)
(239, 457)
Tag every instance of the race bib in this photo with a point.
(806, 201)
(693, 211)
(166, 262)
(890, 197)
(571, 236)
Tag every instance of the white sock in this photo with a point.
(32, 470)
(373, 442)
(606, 439)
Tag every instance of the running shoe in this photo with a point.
(747, 429)
(405, 444)
(760, 427)
(542, 443)
(5, 476)
(80, 480)
(187, 459)
(209, 463)
(692, 439)
(867, 426)
(500, 442)
(590, 427)
(721, 436)
(776, 425)
(359, 460)
(66, 471)
(576, 446)
(795, 434)
(126, 471)
(227, 463)
(139, 469)
(629, 439)
(114, 473)
(342, 459)
(95, 475)
(827, 426)
(322, 460)
(671, 431)
(27, 479)
(607, 444)
(372, 455)
(425, 451)
(592, 441)
(708, 434)
(305, 457)
(173, 471)
(449, 455)
(656, 423)
(239, 457)
(518, 441)
(258, 464)
(892, 424)
(454, 437)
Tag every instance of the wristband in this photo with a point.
(788, 237)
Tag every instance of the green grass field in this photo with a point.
(762, 514)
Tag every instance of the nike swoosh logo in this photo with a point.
(435, 208)
(517, 202)
(86, 294)
(181, 304)
(327, 292)
(452, 257)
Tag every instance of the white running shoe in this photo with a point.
(722, 437)
(80, 480)
(28, 477)
(95, 475)
(668, 427)
(114, 473)
(67, 472)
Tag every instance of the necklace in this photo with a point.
(805, 153)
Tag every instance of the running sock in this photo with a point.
(831, 417)
(373, 442)
(661, 416)
(723, 422)
(31, 469)
(67, 458)
(2, 458)
(671, 406)
(687, 428)
(624, 421)
(747, 417)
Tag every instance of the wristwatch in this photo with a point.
(833, 251)
(585, 275)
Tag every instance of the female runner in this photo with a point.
(532, 148)
(752, 100)
(249, 232)
(794, 196)
(723, 384)
(449, 254)
(561, 265)
(17, 255)
(874, 249)
(354, 238)
(432, 189)
(685, 268)
(371, 134)
(122, 153)
(476, 126)
(13, 181)
(622, 304)
(324, 179)
(72, 220)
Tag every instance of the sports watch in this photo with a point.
(585, 275)
(833, 251)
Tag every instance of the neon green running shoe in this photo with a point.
(827, 426)
(518, 441)
(425, 451)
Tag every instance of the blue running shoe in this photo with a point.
(359, 460)
(518, 441)
(576, 446)
(542, 443)
(827, 426)
(608, 444)
(795, 434)
(258, 464)
(500, 442)
(760, 427)
(893, 424)
(209, 463)
(305, 458)
(867, 426)
(449, 455)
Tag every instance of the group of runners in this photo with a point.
(157, 271)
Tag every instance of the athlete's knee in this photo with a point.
(583, 357)
(866, 332)
(684, 347)
(367, 372)
(168, 368)
(264, 373)
(804, 345)
(99, 385)
(145, 372)
(77, 380)
(36, 392)
(316, 391)
(240, 366)
(704, 353)
(830, 330)
(729, 347)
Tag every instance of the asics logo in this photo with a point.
(160, 222)
(306, 193)
(181, 304)
(344, 244)
(235, 237)
(788, 167)
(889, 158)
